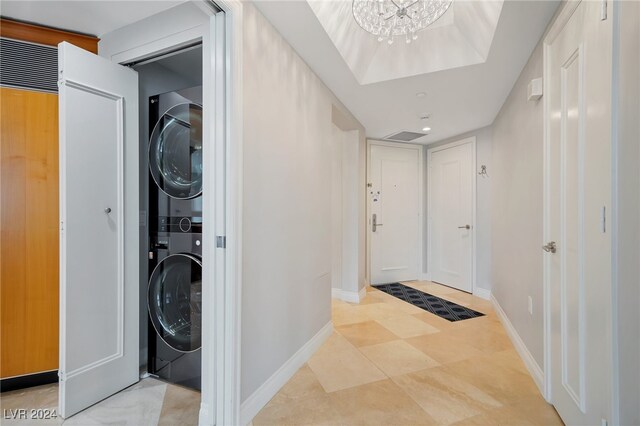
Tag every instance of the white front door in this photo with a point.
(395, 206)
(99, 229)
(451, 186)
(578, 251)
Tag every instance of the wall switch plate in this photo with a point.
(530, 305)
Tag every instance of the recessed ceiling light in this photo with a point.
(421, 94)
(426, 129)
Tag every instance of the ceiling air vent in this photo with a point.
(404, 136)
(28, 65)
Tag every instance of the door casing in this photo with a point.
(222, 74)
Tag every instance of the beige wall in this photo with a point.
(288, 119)
(516, 178)
(627, 249)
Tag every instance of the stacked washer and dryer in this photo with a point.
(174, 296)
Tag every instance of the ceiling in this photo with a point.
(461, 37)
(465, 65)
(88, 17)
(458, 98)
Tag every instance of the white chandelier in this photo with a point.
(389, 18)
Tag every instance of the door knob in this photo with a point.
(550, 247)
(464, 227)
(107, 210)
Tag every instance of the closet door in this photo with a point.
(99, 286)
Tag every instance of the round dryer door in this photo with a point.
(175, 301)
(175, 151)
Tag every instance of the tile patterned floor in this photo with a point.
(148, 402)
(391, 363)
(387, 363)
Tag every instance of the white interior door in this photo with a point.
(395, 200)
(451, 197)
(98, 103)
(579, 96)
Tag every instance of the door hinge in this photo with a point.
(603, 10)
(603, 219)
(221, 241)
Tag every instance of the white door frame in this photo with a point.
(470, 140)
(219, 405)
(554, 31)
(373, 142)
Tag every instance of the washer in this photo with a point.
(174, 293)
(174, 302)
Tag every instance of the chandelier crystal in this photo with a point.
(389, 18)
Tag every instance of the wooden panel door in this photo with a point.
(395, 174)
(451, 200)
(579, 247)
(29, 232)
(99, 277)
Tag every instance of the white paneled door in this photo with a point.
(395, 212)
(578, 250)
(98, 109)
(451, 197)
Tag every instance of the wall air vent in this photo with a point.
(404, 136)
(28, 66)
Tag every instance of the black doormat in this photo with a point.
(434, 304)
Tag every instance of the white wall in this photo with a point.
(336, 143)
(353, 220)
(288, 116)
(345, 218)
(355, 191)
(483, 205)
(516, 177)
(627, 210)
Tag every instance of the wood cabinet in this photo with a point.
(29, 236)
(29, 231)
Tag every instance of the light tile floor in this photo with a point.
(148, 402)
(387, 363)
(391, 363)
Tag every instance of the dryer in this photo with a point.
(174, 293)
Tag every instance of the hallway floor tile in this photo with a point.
(391, 363)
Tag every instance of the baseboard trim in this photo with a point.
(482, 293)
(28, 380)
(349, 296)
(254, 403)
(527, 358)
(204, 416)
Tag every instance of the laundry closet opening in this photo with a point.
(171, 217)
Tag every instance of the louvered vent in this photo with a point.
(28, 65)
(404, 136)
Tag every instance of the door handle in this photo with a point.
(464, 227)
(550, 247)
(107, 210)
(375, 224)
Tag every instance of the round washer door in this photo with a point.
(175, 151)
(175, 301)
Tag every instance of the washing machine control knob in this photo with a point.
(185, 224)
